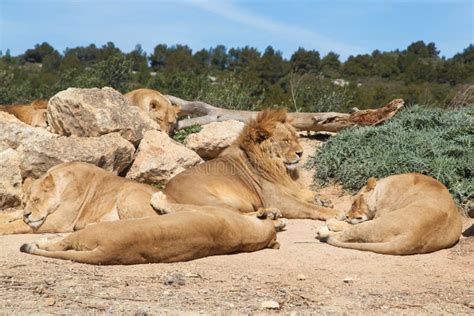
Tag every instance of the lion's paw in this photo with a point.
(319, 200)
(280, 224)
(269, 212)
(159, 202)
(322, 233)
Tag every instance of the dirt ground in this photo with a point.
(303, 276)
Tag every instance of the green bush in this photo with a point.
(431, 141)
(181, 135)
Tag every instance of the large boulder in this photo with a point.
(95, 112)
(159, 158)
(10, 178)
(214, 138)
(40, 150)
(110, 152)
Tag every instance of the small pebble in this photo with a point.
(301, 277)
(270, 305)
(348, 280)
(174, 279)
(50, 301)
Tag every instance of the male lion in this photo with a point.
(156, 105)
(398, 215)
(180, 236)
(72, 195)
(259, 170)
(33, 114)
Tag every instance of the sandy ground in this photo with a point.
(304, 275)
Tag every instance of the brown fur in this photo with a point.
(72, 195)
(257, 171)
(157, 105)
(399, 215)
(33, 114)
(174, 237)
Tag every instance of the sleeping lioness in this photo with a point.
(398, 215)
(156, 105)
(181, 236)
(72, 195)
(33, 114)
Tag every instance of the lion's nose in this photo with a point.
(26, 214)
(299, 153)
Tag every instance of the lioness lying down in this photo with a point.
(259, 170)
(33, 114)
(156, 105)
(72, 195)
(398, 215)
(181, 236)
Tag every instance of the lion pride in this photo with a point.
(259, 170)
(398, 215)
(33, 114)
(74, 194)
(156, 105)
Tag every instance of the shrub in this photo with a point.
(181, 135)
(431, 141)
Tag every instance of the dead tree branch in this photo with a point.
(324, 121)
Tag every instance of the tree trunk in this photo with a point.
(324, 121)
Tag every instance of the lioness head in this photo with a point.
(271, 135)
(40, 200)
(361, 210)
(164, 114)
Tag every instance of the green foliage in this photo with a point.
(244, 77)
(314, 93)
(228, 92)
(159, 185)
(435, 142)
(181, 135)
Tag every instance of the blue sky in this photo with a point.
(347, 27)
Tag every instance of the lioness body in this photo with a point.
(33, 114)
(399, 215)
(257, 171)
(174, 237)
(72, 195)
(156, 105)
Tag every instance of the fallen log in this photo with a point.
(323, 121)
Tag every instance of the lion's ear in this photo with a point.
(48, 183)
(371, 183)
(261, 135)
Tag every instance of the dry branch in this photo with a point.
(324, 121)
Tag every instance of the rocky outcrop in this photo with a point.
(159, 158)
(10, 179)
(95, 112)
(40, 150)
(110, 152)
(214, 138)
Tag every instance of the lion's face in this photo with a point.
(39, 118)
(41, 199)
(360, 210)
(165, 115)
(284, 145)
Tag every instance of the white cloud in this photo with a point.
(299, 35)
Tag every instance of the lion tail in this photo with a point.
(393, 247)
(88, 256)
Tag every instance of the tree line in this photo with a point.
(246, 78)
